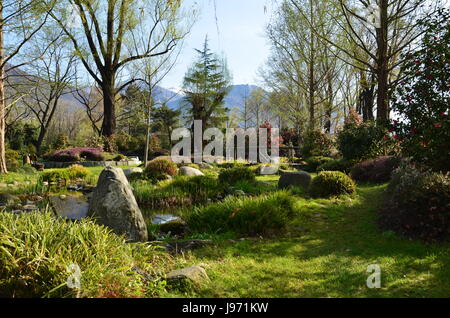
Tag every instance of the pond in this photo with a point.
(74, 206)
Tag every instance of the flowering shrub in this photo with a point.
(377, 171)
(422, 98)
(77, 172)
(317, 143)
(75, 154)
(418, 204)
(360, 140)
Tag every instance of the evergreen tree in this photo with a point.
(205, 85)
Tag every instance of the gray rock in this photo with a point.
(205, 166)
(129, 172)
(114, 205)
(190, 172)
(239, 193)
(296, 179)
(195, 274)
(8, 199)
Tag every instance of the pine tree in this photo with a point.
(206, 85)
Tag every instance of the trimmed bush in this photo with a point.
(376, 171)
(418, 205)
(159, 168)
(12, 160)
(90, 155)
(77, 172)
(331, 183)
(315, 162)
(245, 216)
(341, 165)
(75, 154)
(236, 174)
(120, 157)
(38, 248)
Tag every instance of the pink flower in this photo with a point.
(438, 125)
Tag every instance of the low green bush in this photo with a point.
(262, 215)
(159, 168)
(239, 173)
(77, 172)
(316, 161)
(37, 249)
(331, 183)
(417, 205)
(55, 175)
(12, 160)
(341, 165)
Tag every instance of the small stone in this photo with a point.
(30, 207)
(195, 274)
(190, 172)
(63, 197)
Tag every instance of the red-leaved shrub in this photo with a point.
(376, 171)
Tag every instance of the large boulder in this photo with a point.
(296, 179)
(190, 172)
(114, 205)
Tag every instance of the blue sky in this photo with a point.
(240, 38)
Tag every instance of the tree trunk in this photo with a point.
(109, 108)
(3, 168)
(382, 65)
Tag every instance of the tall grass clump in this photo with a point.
(262, 215)
(236, 174)
(36, 250)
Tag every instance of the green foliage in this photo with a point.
(317, 161)
(245, 216)
(317, 143)
(12, 159)
(205, 86)
(55, 175)
(362, 140)
(331, 183)
(422, 98)
(418, 204)
(77, 172)
(38, 248)
(120, 157)
(238, 173)
(20, 136)
(159, 168)
(337, 165)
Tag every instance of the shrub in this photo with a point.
(120, 157)
(422, 98)
(417, 205)
(75, 154)
(245, 216)
(37, 248)
(158, 168)
(341, 165)
(315, 162)
(26, 169)
(376, 171)
(239, 173)
(92, 155)
(55, 175)
(362, 140)
(317, 143)
(155, 153)
(331, 183)
(77, 172)
(12, 159)
(230, 164)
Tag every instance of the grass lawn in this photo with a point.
(329, 260)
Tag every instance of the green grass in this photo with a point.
(36, 250)
(329, 260)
